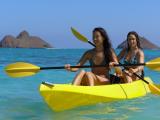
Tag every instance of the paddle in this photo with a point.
(81, 37)
(153, 64)
(22, 69)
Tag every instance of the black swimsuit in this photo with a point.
(93, 64)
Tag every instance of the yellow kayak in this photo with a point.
(61, 97)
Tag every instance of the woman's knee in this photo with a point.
(128, 79)
(82, 71)
(88, 73)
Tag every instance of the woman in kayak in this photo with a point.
(133, 54)
(102, 54)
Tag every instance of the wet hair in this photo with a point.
(106, 44)
(137, 39)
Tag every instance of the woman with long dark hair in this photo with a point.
(132, 54)
(102, 54)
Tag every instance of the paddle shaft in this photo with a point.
(62, 67)
(89, 66)
(141, 78)
(91, 43)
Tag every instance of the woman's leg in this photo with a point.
(77, 80)
(84, 80)
(93, 79)
(127, 77)
(102, 81)
(89, 79)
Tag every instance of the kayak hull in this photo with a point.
(66, 96)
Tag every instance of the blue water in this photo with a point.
(20, 98)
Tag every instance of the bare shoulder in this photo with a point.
(122, 53)
(112, 51)
(89, 53)
(124, 50)
(140, 52)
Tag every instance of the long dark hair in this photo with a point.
(137, 39)
(106, 44)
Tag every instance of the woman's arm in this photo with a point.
(86, 56)
(140, 60)
(121, 54)
(114, 60)
(114, 57)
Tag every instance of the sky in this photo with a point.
(51, 20)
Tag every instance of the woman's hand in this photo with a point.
(118, 70)
(131, 70)
(127, 73)
(111, 64)
(67, 67)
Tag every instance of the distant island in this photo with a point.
(23, 40)
(145, 44)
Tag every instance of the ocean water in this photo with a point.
(20, 98)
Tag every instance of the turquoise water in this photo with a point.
(20, 98)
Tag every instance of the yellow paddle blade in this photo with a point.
(154, 89)
(78, 35)
(21, 69)
(154, 64)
